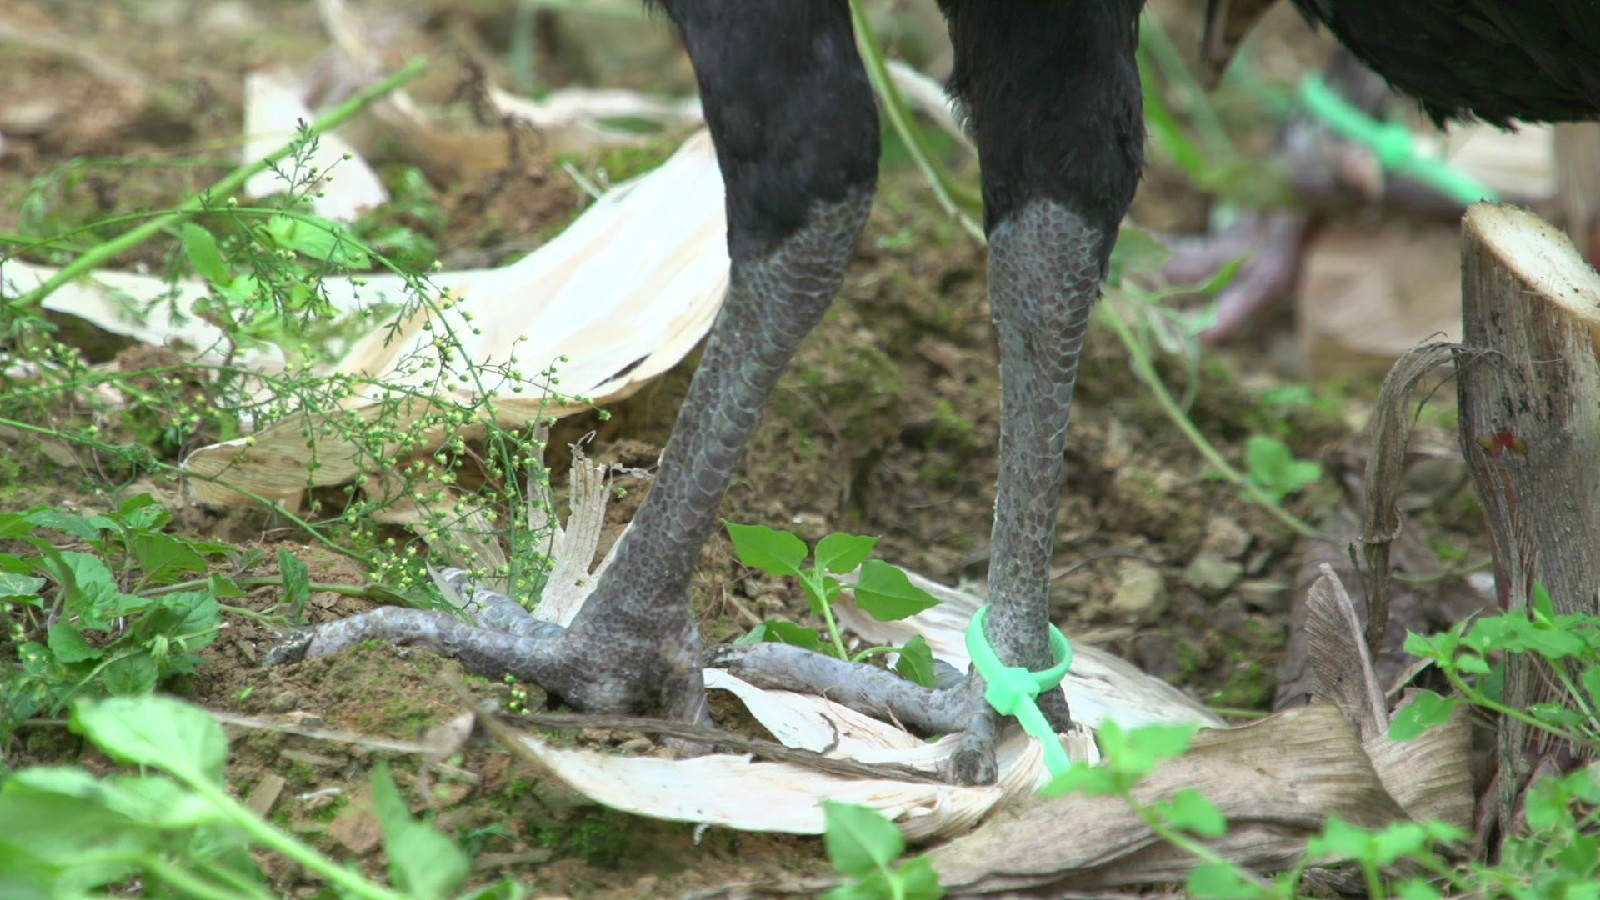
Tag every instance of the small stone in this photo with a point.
(1118, 449)
(639, 746)
(1211, 575)
(1141, 594)
(1228, 617)
(283, 701)
(1226, 538)
(356, 828)
(1263, 596)
(1156, 654)
(264, 796)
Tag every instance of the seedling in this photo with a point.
(882, 590)
(1274, 469)
(175, 828)
(863, 845)
(117, 619)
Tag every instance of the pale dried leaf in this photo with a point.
(1276, 780)
(1341, 666)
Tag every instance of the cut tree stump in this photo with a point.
(1529, 388)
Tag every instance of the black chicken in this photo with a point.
(1053, 96)
(1495, 60)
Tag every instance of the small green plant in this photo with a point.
(1557, 855)
(1570, 643)
(177, 830)
(882, 590)
(116, 619)
(1274, 469)
(863, 845)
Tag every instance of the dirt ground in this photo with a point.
(887, 424)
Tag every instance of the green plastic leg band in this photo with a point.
(1012, 690)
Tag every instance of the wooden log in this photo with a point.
(1529, 388)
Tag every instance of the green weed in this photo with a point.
(882, 590)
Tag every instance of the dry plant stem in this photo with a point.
(230, 183)
(1391, 433)
(1530, 431)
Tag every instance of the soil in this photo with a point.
(887, 424)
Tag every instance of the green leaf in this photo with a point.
(14, 525)
(916, 662)
(296, 584)
(1189, 810)
(887, 594)
(88, 528)
(155, 731)
(88, 587)
(317, 238)
(164, 558)
(203, 253)
(860, 841)
(142, 512)
(132, 675)
(1093, 781)
(1340, 840)
(422, 862)
(223, 587)
(1548, 806)
(841, 553)
(190, 618)
(918, 880)
(1219, 881)
(14, 586)
(1425, 711)
(1542, 604)
(1137, 251)
(1417, 889)
(1274, 469)
(1589, 678)
(68, 645)
(504, 889)
(1580, 855)
(1396, 841)
(778, 631)
(1134, 753)
(767, 549)
(1585, 785)
(872, 887)
(69, 846)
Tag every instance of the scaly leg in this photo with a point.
(792, 116)
(1053, 93)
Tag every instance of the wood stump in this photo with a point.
(1529, 388)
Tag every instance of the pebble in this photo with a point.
(1226, 538)
(1264, 596)
(1211, 575)
(1141, 593)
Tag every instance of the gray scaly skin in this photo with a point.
(1044, 276)
(634, 646)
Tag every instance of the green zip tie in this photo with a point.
(1392, 143)
(1011, 689)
